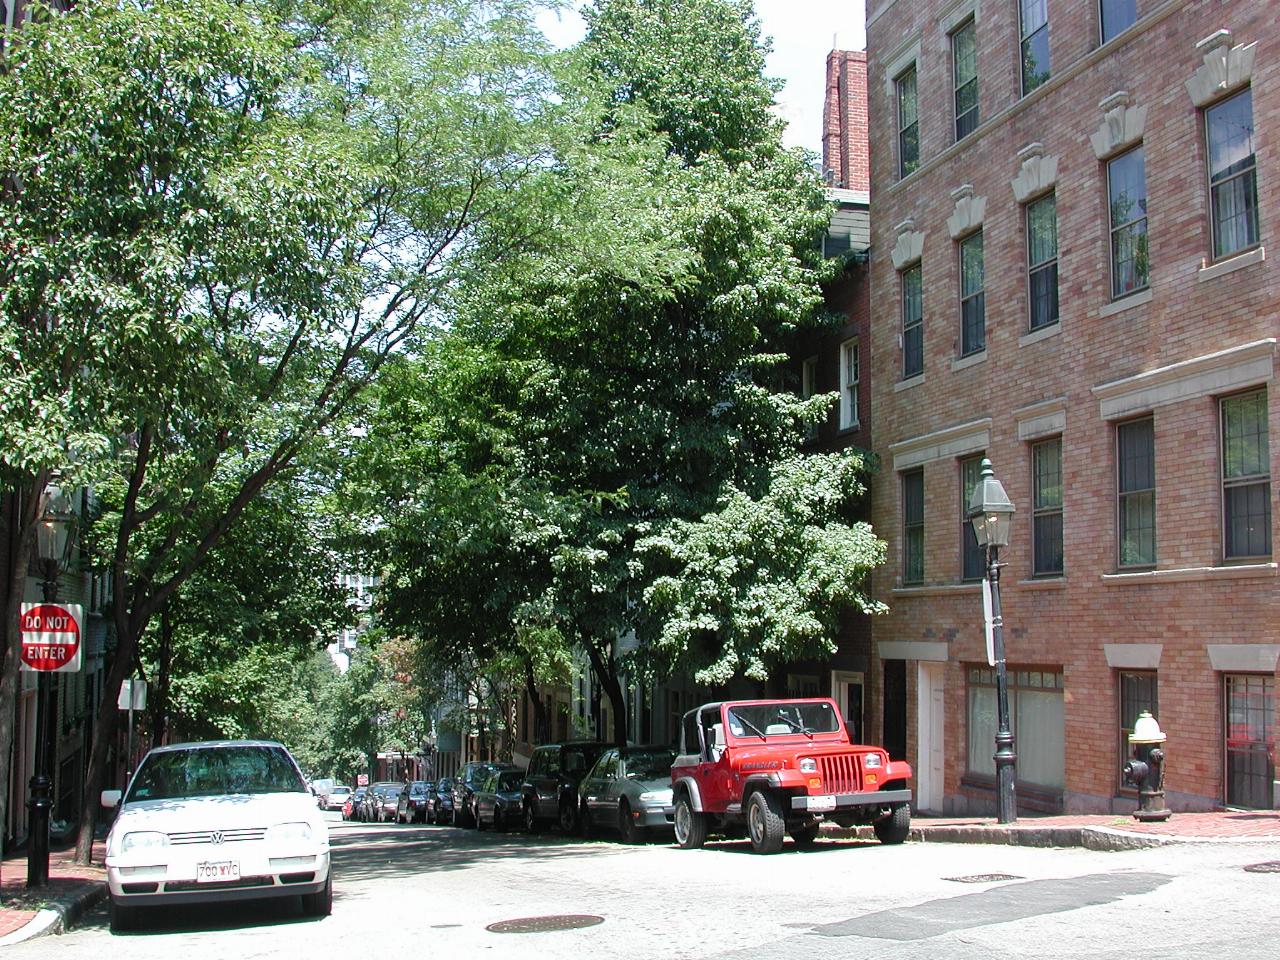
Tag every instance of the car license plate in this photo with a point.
(820, 804)
(219, 871)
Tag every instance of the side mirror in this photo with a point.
(111, 798)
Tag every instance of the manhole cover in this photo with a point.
(1270, 866)
(984, 878)
(571, 921)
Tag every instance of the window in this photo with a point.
(849, 376)
(1042, 261)
(1127, 190)
(912, 323)
(908, 124)
(973, 557)
(1035, 716)
(913, 527)
(1138, 692)
(1136, 470)
(964, 65)
(1046, 482)
(973, 327)
(1233, 182)
(1035, 44)
(1117, 16)
(1246, 477)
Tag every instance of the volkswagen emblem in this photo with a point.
(215, 837)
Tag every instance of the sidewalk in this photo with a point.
(72, 889)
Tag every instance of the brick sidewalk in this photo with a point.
(1219, 825)
(68, 883)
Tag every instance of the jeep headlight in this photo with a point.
(871, 760)
(143, 840)
(808, 765)
(289, 831)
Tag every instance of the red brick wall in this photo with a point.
(844, 120)
(1066, 622)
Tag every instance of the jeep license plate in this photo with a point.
(220, 871)
(822, 804)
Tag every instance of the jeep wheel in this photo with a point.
(765, 823)
(895, 827)
(627, 828)
(804, 836)
(691, 826)
(568, 819)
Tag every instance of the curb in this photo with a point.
(1090, 838)
(58, 916)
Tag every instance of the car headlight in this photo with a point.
(871, 760)
(656, 796)
(143, 840)
(808, 765)
(289, 831)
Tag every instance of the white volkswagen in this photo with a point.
(223, 820)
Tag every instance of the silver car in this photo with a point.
(628, 790)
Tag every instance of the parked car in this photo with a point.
(779, 767)
(223, 820)
(440, 802)
(390, 798)
(498, 799)
(370, 811)
(412, 803)
(551, 784)
(350, 809)
(628, 790)
(470, 775)
(336, 798)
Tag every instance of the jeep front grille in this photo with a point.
(839, 773)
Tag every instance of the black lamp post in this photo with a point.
(52, 531)
(991, 513)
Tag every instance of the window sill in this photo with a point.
(1044, 333)
(851, 428)
(908, 383)
(1239, 571)
(938, 589)
(1209, 271)
(1043, 583)
(972, 360)
(1125, 303)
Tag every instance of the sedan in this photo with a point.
(216, 821)
(498, 800)
(412, 804)
(351, 809)
(390, 797)
(335, 799)
(628, 790)
(440, 808)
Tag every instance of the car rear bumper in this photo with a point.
(850, 801)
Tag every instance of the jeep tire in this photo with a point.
(764, 822)
(691, 826)
(895, 827)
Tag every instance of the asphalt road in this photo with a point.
(436, 889)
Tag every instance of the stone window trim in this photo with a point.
(1133, 656)
(906, 56)
(967, 214)
(1042, 420)
(1227, 572)
(1037, 173)
(1225, 68)
(954, 16)
(908, 248)
(948, 443)
(1122, 127)
(1210, 270)
(1243, 657)
(1247, 365)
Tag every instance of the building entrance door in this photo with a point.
(846, 689)
(930, 711)
(1250, 704)
(895, 708)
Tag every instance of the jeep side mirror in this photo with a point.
(110, 799)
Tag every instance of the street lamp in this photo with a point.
(991, 513)
(53, 529)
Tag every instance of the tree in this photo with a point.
(233, 213)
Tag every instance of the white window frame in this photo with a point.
(850, 378)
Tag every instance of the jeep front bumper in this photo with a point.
(832, 802)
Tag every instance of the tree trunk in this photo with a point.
(105, 728)
(603, 665)
(541, 724)
(160, 698)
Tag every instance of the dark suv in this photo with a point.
(440, 802)
(551, 784)
(468, 780)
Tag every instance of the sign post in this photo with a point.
(50, 634)
(133, 696)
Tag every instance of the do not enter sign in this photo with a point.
(50, 637)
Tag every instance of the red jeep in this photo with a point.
(782, 766)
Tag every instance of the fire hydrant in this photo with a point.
(1146, 770)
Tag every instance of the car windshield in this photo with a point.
(650, 764)
(215, 771)
(392, 791)
(771, 719)
(417, 789)
(510, 780)
(340, 791)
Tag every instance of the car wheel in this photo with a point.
(499, 817)
(568, 818)
(319, 904)
(627, 828)
(121, 918)
(475, 815)
(895, 827)
(691, 826)
(804, 836)
(765, 823)
(531, 822)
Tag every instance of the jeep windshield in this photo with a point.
(778, 719)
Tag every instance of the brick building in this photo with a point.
(1109, 172)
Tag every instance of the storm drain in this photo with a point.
(568, 921)
(984, 878)
(1268, 866)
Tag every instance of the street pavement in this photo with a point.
(437, 889)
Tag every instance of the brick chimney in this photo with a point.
(845, 148)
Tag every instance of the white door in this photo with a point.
(931, 712)
(846, 690)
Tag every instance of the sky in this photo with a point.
(803, 32)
